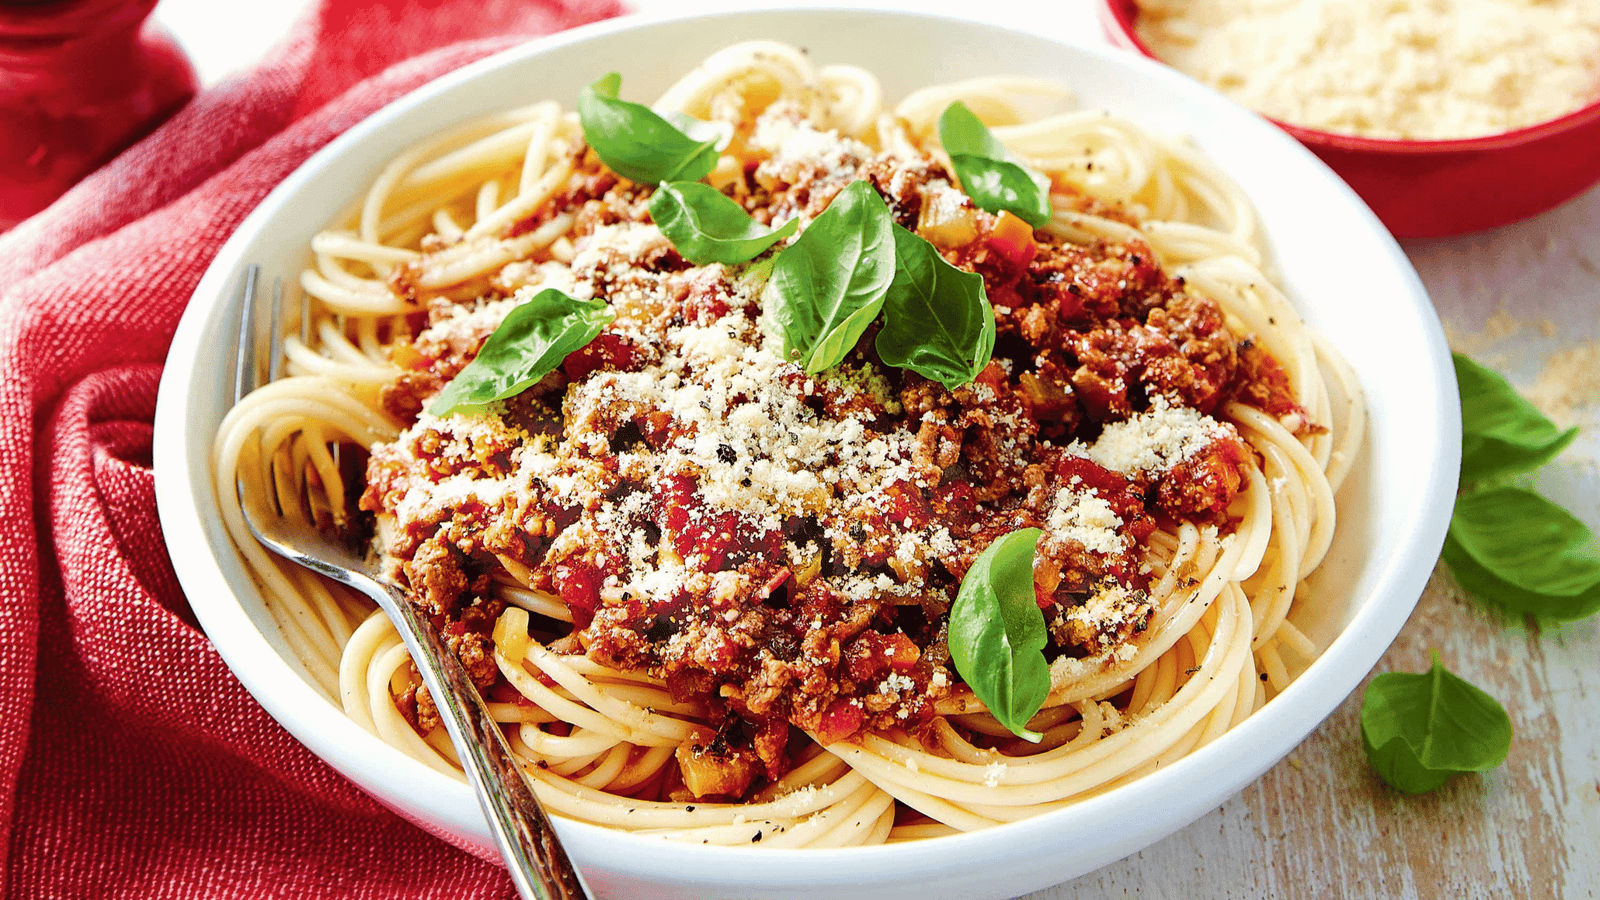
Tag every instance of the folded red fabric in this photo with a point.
(132, 763)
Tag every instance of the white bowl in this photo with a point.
(1334, 259)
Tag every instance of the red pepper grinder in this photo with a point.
(80, 80)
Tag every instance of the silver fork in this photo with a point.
(533, 854)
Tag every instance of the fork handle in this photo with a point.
(536, 861)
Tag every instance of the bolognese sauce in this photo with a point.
(781, 548)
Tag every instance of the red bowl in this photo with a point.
(1438, 188)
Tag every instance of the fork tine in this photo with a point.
(244, 357)
(275, 364)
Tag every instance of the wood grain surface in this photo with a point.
(1526, 300)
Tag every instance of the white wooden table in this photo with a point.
(1524, 299)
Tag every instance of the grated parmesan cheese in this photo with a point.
(1110, 606)
(1152, 442)
(792, 141)
(1084, 516)
(1412, 69)
(992, 773)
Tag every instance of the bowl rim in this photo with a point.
(1325, 684)
(1118, 16)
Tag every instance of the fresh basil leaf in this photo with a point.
(828, 285)
(937, 320)
(1514, 549)
(532, 341)
(706, 226)
(997, 632)
(1502, 432)
(988, 173)
(635, 142)
(1419, 729)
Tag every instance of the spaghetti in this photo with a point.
(705, 592)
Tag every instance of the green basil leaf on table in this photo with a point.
(532, 341)
(988, 173)
(1419, 729)
(1514, 549)
(997, 632)
(1501, 432)
(635, 142)
(937, 320)
(828, 285)
(706, 226)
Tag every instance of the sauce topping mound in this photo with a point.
(784, 548)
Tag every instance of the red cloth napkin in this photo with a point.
(132, 763)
